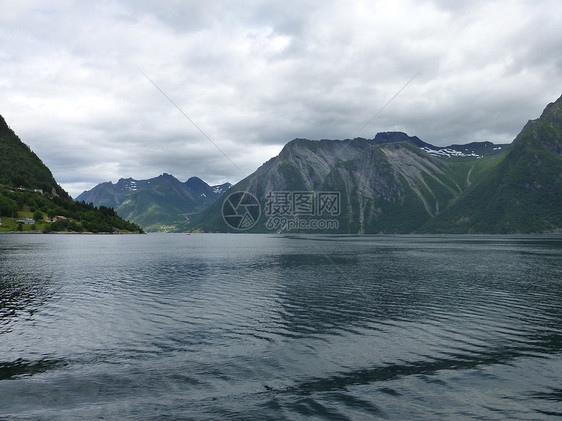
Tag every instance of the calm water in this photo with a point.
(169, 326)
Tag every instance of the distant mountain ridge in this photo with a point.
(161, 203)
(473, 149)
(397, 183)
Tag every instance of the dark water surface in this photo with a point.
(169, 326)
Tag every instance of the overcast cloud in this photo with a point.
(254, 75)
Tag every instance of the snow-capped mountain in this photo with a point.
(160, 203)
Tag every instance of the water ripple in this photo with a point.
(280, 327)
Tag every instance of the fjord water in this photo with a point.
(218, 326)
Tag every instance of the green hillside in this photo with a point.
(31, 199)
(20, 167)
(522, 192)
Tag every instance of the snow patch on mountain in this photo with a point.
(449, 152)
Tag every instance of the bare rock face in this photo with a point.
(387, 184)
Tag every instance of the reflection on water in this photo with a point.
(17, 368)
(24, 288)
(280, 327)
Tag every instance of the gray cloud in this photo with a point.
(254, 76)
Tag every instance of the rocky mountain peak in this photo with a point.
(391, 137)
(553, 111)
(545, 131)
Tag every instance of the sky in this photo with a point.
(102, 90)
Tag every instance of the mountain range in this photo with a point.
(396, 183)
(162, 203)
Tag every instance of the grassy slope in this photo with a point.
(520, 192)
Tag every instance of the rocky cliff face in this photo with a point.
(387, 184)
(392, 188)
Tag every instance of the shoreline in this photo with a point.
(67, 233)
